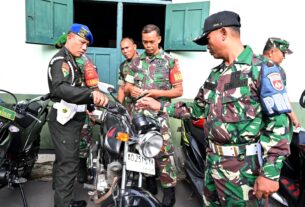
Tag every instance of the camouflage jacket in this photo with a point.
(160, 71)
(229, 101)
(81, 62)
(123, 71)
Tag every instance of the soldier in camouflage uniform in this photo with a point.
(87, 130)
(275, 50)
(156, 74)
(247, 144)
(129, 51)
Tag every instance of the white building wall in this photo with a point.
(23, 68)
(260, 19)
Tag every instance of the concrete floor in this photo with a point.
(40, 194)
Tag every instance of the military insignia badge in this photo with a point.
(276, 81)
(65, 69)
(83, 33)
(175, 74)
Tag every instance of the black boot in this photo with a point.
(80, 203)
(151, 185)
(82, 175)
(169, 198)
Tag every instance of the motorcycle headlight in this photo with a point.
(151, 143)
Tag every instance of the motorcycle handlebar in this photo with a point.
(45, 97)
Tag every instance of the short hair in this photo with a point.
(128, 38)
(235, 29)
(151, 27)
(267, 48)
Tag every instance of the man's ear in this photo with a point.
(159, 39)
(223, 31)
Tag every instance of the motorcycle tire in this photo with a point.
(145, 201)
(109, 202)
(28, 169)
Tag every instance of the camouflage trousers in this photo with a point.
(85, 138)
(229, 181)
(165, 161)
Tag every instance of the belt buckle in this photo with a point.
(241, 157)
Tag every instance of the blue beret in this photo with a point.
(82, 31)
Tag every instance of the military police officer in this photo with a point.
(275, 50)
(67, 116)
(84, 63)
(156, 74)
(248, 132)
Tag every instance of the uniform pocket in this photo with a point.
(238, 107)
(161, 79)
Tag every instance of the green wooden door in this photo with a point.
(47, 19)
(183, 24)
(107, 63)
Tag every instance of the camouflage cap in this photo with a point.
(281, 44)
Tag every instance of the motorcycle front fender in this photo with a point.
(146, 199)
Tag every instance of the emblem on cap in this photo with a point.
(83, 32)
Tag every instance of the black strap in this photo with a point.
(302, 99)
(210, 86)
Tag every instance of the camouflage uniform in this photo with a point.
(123, 71)
(155, 72)
(229, 101)
(86, 133)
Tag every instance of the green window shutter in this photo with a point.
(47, 19)
(183, 24)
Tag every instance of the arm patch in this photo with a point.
(65, 69)
(175, 75)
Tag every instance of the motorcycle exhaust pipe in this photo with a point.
(109, 193)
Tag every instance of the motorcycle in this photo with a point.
(124, 152)
(190, 157)
(20, 126)
(292, 179)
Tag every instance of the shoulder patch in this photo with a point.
(65, 69)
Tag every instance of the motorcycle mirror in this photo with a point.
(302, 99)
(106, 88)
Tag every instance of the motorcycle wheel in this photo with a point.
(143, 201)
(34, 155)
(109, 202)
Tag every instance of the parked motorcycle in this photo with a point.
(190, 157)
(20, 126)
(125, 150)
(292, 180)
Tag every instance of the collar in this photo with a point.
(156, 56)
(245, 57)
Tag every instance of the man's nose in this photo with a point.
(85, 46)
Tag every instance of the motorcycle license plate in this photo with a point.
(7, 113)
(139, 163)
